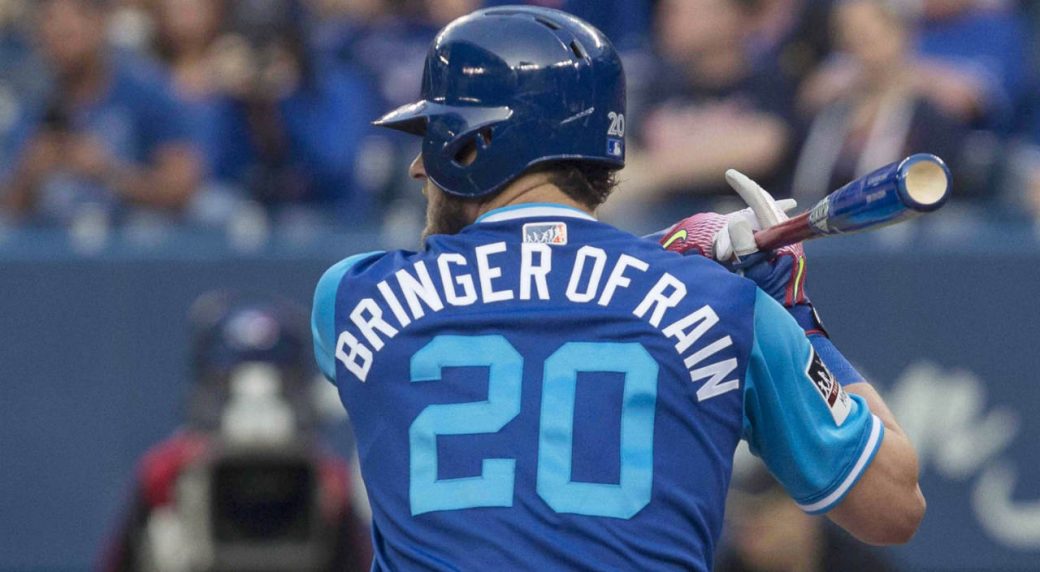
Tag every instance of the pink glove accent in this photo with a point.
(695, 234)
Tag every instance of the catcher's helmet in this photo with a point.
(230, 329)
(519, 85)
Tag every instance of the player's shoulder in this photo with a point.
(370, 268)
(366, 267)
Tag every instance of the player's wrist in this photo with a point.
(839, 366)
(808, 319)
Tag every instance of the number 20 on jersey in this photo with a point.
(494, 486)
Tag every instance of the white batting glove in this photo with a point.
(737, 239)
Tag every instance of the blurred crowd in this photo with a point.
(256, 113)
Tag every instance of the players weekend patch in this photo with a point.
(546, 233)
(833, 394)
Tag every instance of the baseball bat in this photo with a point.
(894, 193)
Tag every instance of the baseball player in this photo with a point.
(538, 390)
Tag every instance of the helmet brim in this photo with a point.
(414, 117)
(411, 118)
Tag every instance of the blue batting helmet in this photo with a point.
(521, 86)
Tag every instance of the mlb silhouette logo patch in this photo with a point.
(615, 147)
(830, 390)
(546, 233)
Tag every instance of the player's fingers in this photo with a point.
(742, 237)
(761, 203)
(766, 210)
(722, 249)
(746, 214)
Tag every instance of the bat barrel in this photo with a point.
(898, 191)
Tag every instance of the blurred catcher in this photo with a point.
(246, 485)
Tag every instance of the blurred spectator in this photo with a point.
(767, 532)
(1032, 190)
(382, 39)
(107, 139)
(440, 13)
(1022, 185)
(289, 126)
(387, 41)
(975, 60)
(185, 32)
(20, 80)
(130, 25)
(793, 34)
(971, 62)
(881, 114)
(342, 26)
(185, 41)
(625, 22)
(711, 110)
(20, 76)
(246, 484)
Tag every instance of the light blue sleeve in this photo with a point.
(816, 439)
(323, 314)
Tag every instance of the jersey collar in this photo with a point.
(529, 210)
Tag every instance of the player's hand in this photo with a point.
(780, 273)
(728, 238)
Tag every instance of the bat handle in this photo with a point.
(791, 231)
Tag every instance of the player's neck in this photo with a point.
(534, 188)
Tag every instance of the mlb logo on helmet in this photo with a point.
(615, 147)
(546, 233)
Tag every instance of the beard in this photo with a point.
(445, 214)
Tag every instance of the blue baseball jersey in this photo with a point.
(543, 391)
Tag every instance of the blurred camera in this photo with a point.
(253, 501)
(249, 509)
